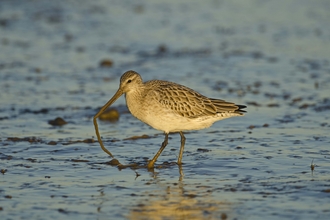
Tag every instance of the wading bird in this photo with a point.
(168, 107)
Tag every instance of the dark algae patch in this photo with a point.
(57, 122)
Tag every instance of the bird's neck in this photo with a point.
(134, 101)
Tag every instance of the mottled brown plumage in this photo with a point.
(188, 103)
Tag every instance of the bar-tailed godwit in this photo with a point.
(168, 107)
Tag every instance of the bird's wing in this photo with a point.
(188, 103)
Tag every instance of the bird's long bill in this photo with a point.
(112, 100)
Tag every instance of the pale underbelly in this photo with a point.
(173, 123)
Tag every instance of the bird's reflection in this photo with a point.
(165, 199)
(174, 201)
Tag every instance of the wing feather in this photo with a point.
(189, 103)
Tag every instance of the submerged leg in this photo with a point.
(152, 162)
(183, 141)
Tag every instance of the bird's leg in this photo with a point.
(152, 162)
(183, 141)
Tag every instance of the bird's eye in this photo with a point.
(129, 81)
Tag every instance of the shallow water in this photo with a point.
(272, 56)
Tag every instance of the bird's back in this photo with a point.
(189, 103)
